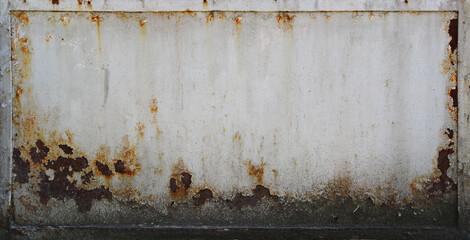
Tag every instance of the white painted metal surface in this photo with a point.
(290, 101)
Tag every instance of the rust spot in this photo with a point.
(406, 2)
(173, 186)
(238, 20)
(23, 17)
(103, 168)
(88, 5)
(204, 4)
(65, 20)
(66, 148)
(202, 196)
(21, 167)
(180, 181)
(443, 182)
(142, 22)
(453, 33)
(450, 133)
(190, 13)
(256, 171)
(48, 37)
(121, 168)
(260, 192)
(80, 2)
(453, 95)
(39, 152)
(55, 2)
(140, 129)
(60, 187)
(285, 18)
(210, 17)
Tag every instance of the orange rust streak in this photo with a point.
(97, 19)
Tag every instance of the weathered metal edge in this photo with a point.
(236, 5)
(5, 115)
(463, 131)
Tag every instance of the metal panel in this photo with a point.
(234, 118)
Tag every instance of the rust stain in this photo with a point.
(256, 171)
(236, 137)
(154, 109)
(60, 187)
(67, 150)
(21, 167)
(453, 33)
(442, 184)
(190, 13)
(202, 196)
(39, 152)
(260, 192)
(97, 19)
(180, 181)
(65, 20)
(238, 21)
(210, 17)
(285, 18)
(142, 22)
(140, 129)
(22, 16)
(103, 168)
(371, 15)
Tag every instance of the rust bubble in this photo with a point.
(260, 192)
(66, 149)
(21, 168)
(453, 33)
(39, 152)
(103, 168)
(202, 196)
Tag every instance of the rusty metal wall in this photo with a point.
(287, 114)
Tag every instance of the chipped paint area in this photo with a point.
(234, 118)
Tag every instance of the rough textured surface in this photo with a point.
(119, 166)
(198, 125)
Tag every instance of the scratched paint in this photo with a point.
(234, 118)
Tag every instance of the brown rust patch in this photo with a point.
(453, 33)
(39, 152)
(55, 2)
(180, 181)
(450, 133)
(260, 192)
(63, 186)
(121, 168)
(21, 167)
(103, 168)
(202, 196)
(453, 95)
(66, 149)
(442, 184)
